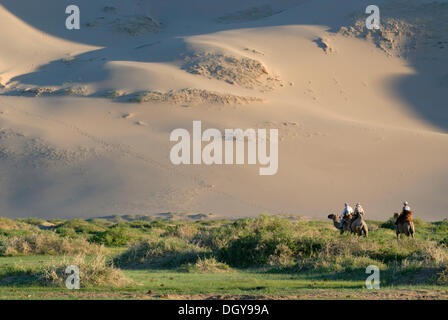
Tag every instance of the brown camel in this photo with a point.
(337, 223)
(404, 224)
(359, 226)
(353, 224)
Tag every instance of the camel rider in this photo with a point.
(406, 210)
(358, 209)
(347, 211)
(406, 207)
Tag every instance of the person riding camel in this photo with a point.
(358, 210)
(347, 211)
(405, 213)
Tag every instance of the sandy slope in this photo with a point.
(361, 118)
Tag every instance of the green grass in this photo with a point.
(264, 256)
(239, 282)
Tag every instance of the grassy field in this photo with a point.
(259, 258)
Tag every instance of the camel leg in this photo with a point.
(398, 235)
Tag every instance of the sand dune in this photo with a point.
(361, 114)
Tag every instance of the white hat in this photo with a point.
(405, 203)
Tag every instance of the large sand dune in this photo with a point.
(85, 116)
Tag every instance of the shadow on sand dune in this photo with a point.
(425, 92)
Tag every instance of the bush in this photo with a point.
(43, 243)
(444, 241)
(389, 224)
(7, 224)
(183, 231)
(418, 222)
(117, 236)
(442, 277)
(253, 250)
(32, 221)
(94, 272)
(80, 226)
(206, 265)
(168, 251)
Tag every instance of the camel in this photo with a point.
(404, 224)
(359, 226)
(351, 224)
(337, 223)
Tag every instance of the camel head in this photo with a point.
(396, 215)
(332, 216)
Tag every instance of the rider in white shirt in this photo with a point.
(406, 206)
(347, 210)
(359, 209)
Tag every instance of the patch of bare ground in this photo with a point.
(324, 295)
(382, 294)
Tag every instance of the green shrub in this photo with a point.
(418, 222)
(7, 224)
(442, 277)
(66, 232)
(80, 226)
(253, 250)
(43, 243)
(389, 224)
(32, 221)
(95, 271)
(444, 241)
(166, 252)
(184, 231)
(206, 265)
(117, 236)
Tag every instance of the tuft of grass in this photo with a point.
(32, 221)
(43, 243)
(206, 265)
(79, 227)
(95, 271)
(164, 252)
(442, 277)
(116, 236)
